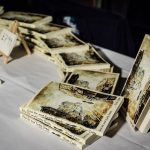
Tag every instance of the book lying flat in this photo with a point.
(83, 59)
(143, 125)
(1, 81)
(137, 87)
(41, 31)
(90, 110)
(67, 42)
(56, 39)
(94, 80)
(25, 19)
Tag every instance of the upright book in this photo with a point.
(137, 87)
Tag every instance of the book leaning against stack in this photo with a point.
(82, 108)
(136, 91)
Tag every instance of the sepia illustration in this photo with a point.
(137, 87)
(99, 81)
(63, 40)
(80, 57)
(80, 106)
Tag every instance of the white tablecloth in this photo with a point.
(23, 78)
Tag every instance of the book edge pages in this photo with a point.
(97, 66)
(84, 138)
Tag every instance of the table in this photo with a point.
(27, 75)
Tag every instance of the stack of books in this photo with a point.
(82, 108)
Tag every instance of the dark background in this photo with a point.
(119, 25)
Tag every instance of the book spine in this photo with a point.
(50, 130)
(55, 126)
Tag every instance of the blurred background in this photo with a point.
(118, 25)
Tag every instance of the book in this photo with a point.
(145, 126)
(1, 10)
(77, 106)
(1, 81)
(42, 30)
(94, 80)
(79, 58)
(137, 87)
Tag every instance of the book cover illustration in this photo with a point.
(137, 87)
(99, 81)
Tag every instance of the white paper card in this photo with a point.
(7, 41)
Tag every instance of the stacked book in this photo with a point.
(75, 114)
